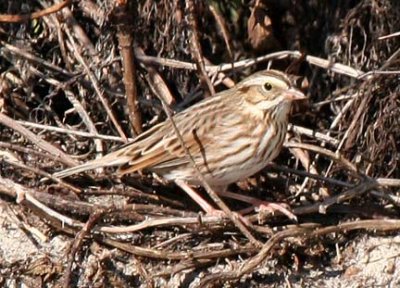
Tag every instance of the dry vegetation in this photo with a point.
(80, 78)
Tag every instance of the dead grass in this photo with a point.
(64, 99)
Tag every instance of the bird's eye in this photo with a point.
(267, 86)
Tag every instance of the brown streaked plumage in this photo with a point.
(231, 136)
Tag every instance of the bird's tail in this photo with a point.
(106, 161)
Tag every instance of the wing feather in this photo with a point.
(159, 147)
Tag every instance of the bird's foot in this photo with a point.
(222, 214)
(271, 207)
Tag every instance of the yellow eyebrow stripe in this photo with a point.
(261, 79)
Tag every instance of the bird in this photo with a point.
(230, 136)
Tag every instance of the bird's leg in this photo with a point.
(198, 199)
(204, 204)
(260, 204)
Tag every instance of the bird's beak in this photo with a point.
(294, 94)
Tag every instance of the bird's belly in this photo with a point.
(221, 177)
(233, 174)
(221, 174)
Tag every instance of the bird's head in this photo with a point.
(269, 90)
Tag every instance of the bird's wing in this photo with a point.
(199, 127)
(160, 147)
(167, 152)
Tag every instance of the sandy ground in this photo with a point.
(29, 258)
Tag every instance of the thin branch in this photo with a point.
(313, 134)
(250, 264)
(196, 48)
(316, 61)
(222, 28)
(169, 221)
(35, 139)
(334, 156)
(156, 82)
(346, 195)
(78, 243)
(96, 87)
(71, 132)
(124, 19)
(34, 59)
(42, 173)
(29, 16)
